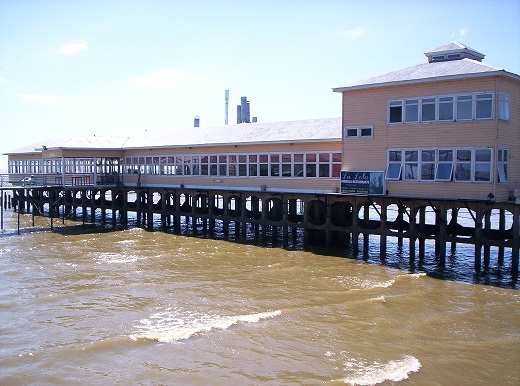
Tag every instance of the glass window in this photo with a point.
(463, 165)
(484, 106)
(411, 165)
(264, 165)
(412, 110)
(393, 170)
(446, 109)
(464, 104)
(232, 165)
(428, 109)
(396, 112)
(445, 166)
(242, 165)
(427, 164)
(503, 164)
(286, 165)
(483, 165)
(503, 106)
(253, 166)
(352, 132)
(298, 165)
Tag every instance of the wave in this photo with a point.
(167, 327)
(394, 371)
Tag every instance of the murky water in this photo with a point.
(129, 306)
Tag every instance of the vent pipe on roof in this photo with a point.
(196, 121)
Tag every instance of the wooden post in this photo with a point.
(502, 228)
(383, 237)
(487, 248)
(422, 241)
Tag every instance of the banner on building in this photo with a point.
(371, 183)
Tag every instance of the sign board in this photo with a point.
(372, 183)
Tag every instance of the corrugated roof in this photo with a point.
(428, 72)
(261, 132)
(93, 142)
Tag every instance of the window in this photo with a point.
(484, 109)
(483, 165)
(275, 165)
(467, 164)
(310, 165)
(359, 132)
(446, 109)
(502, 164)
(411, 110)
(324, 164)
(393, 171)
(264, 165)
(427, 165)
(336, 165)
(286, 165)
(411, 165)
(444, 166)
(463, 165)
(503, 106)
(428, 109)
(396, 112)
(253, 166)
(464, 107)
(242, 165)
(298, 165)
(464, 104)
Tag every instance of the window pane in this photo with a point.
(352, 132)
(445, 155)
(298, 170)
(310, 157)
(336, 157)
(324, 170)
(483, 155)
(336, 170)
(428, 110)
(483, 172)
(444, 171)
(484, 106)
(395, 155)
(463, 155)
(310, 170)
(286, 158)
(427, 171)
(464, 107)
(428, 155)
(298, 158)
(264, 170)
(253, 170)
(411, 171)
(393, 171)
(286, 170)
(275, 158)
(446, 109)
(366, 131)
(396, 113)
(463, 172)
(412, 155)
(252, 158)
(412, 110)
(324, 157)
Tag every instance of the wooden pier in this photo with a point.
(323, 218)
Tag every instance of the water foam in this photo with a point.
(169, 326)
(395, 371)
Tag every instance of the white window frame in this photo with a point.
(456, 101)
(358, 132)
(504, 106)
(503, 154)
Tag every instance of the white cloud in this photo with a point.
(2, 79)
(53, 101)
(169, 79)
(459, 35)
(355, 33)
(73, 48)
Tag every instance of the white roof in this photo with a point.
(315, 130)
(309, 130)
(429, 72)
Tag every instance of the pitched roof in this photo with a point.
(432, 71)
(322, 129)
(316, 130)
(454, 47)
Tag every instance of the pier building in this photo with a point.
(413, 150)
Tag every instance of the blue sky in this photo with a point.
(107, 67)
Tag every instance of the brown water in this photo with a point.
(129, 306)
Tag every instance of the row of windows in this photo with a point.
(325, 165)
(54, 165)
(447, 108)
(467, 164)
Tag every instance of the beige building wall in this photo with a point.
(369, 107)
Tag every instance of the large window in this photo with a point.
(465, 164)
(448, 108)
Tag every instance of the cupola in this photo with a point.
(453, 51)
